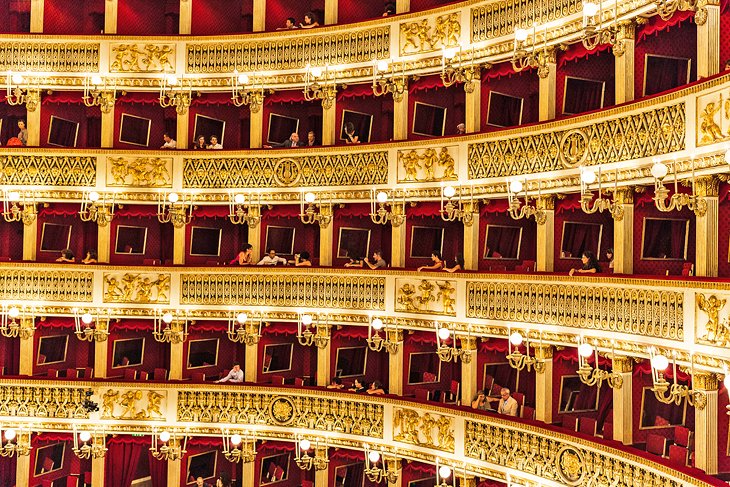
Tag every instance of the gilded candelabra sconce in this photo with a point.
(15, 322)
(169, 329)
(97, 207)
(380, 215)
(519, 361)
(314, 333)
(243, 328)
(319, 460)
(247, 92)
(460, 207)
(84, 330)
(518, 210)
(320, 85)
(239, 447)
(673, 393)
(600, 204)
(450, 353)
(99, 92)
(595, 32)
(19, 206)
(168, 446)
(595, 376)
(20, 90)
(444, 477)
(380, 467)
(678, 200)
(535, 57)
(171, 208)
(390, 341)
(14, 442)
(244, 210)
(89, 445)
(459, 67)
(311, 212)
(177, 93)
(387, 79)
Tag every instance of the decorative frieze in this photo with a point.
(48, 170)
(46, 285)
(49, 57)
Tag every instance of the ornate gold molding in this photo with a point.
(142, 58)
(426, 295)
(139, 172)
(421, 35)
(420, 165)
(48, 170)
(622, 364)
(136, 288)
(498, 19)
(42, 401)
(135, 404)
(49, 57)
(46, 285)
(423, 429)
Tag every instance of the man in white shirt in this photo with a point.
(272, 259)
(235, 375)
(507, 403)
(169, 142)
(214, 143)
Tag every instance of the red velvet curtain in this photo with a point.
(504, 110)
(580, 238)
(582, 95)
(665, 73)
(121, 463)
(664, 239)
(158, 471)
(503, 242)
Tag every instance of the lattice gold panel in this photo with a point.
(646, 134)
(341, 291)
(50, 170)
(345, 169)
(319, 413)
(45, 56)
(635, 311)
(46, 285)
(496, 19)
(290, 53)
(39, 401)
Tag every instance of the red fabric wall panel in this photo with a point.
(83, 235)
(523, 85)
(77, 17)
(68, 106)
(430, 91)
(144, 105)
(69, 459)
(199, 446)
(426, 342)
(453, 241)
(723, 459)
(11, 240)
(380, 235)
(9, 356)
(17, 16)
(219, 107)
(228, 352)
(723, 260)
(528, 246)
(156, 354)
(578, 216)
(304, 359)
(232, 239)
(306, 237)
(78, 353)
(418, 5)
(217, 17)
(145, 17)
(274, 448)
(277, 11)
(598, 67)
(291, 104)
(159, 238)
(380, 107)
(376, 365)
(357, 11)
(724, 32)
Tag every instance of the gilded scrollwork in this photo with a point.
(417, 165)
(422, 36)
(141, 172)
(497, 19)
(142, 58)
(48, 170)
(134, 404)
(716, 329)
(423, 429)
(40, 401)
(44, 285)
(49, 57)
(136, 288)
(426, 295)
(713, 117)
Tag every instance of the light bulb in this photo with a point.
(13, 196)
(316, 72)
(172, 80)
(243, 79)
(306, 320)
(236, 439)
(590, 9)
(87, 318)
(382, 65)
(585, 350)
(515, 186)
(660, 362)
(96, 80)
(659, 170)
(382, 197)
(450, 53)
(727, 381)
(309, 197)
(241, 318)
(84, 436)
(374, 456)
(304, 444)
(515, 338)
(167, 317)
(164, 437)
(93, 196)
(377, 324)
(173, 197)
(9, 434)
(449, 191)
(444, 472)
(444, 333)
(13, 312)
(727, 156)
(239, 198)
(588, 176)
(521, 35)
(17, 79)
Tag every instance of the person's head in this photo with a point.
(310, 137)
(247, 248)
(310, 18)
(376, 385)
(349, 128)
(272, 253)
(377, 255)
(389, 10)
(223, 480)
(294, 137)
(353, 255)
(200, 140)
(236, 366)
(461, 128)
(436, 256)
(609, 254)
(358, 384)
(91, 254)
(213, 140)
(504, 393)
(290, 22)
(459, 259)
(727, 64)
(336, 381)
(588, 257)
(199, 481)
(21, 124)
(303, 255)
(67, 254)
(166, 137)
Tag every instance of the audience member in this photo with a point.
(461, 129)
(66, 256)
(389, 10)
(727, 65)
(170, 143)
(91, 257)
(223, 480)
(311, 139)
(310, 21)
(377, 261)
(590, 264)
(355, 259)
(302, 259)
(289, 23)
(199, 142)
(350, 137)
(272, 259)
(609, 256)
(235, 375)
(438, 262)
(358, 387)
(292, 141)
(214, 143)
(244, 256)
(335, 383)
(507, 404)
(458, 264)
(480, 402)
(23, 134)
(376, 389)
(199, 482)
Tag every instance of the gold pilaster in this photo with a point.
(624, 63)
(398, 245)
(474, 106)
(251, 367)
(546, 235)
(176, 360)
(103, 245)
(107, 129)
(173, 472)
(402, 6)
(256, 129)
(321, 478)
(707, 19)
(329, 132)
(323, 359)
(26, 357)
(186, 17)
(254, 238)
(548, 87)
(97, 471)
(466, 481)
(22, 466)
(111, 9)
(623, 233)
(330, 12)
(33, 122)
(707, 227)
(706, 437)
(469, 370)
(36, 17)
(183, 125)
(178, 245)
(249, 473)
(259, 16)
(30, 241)
(101, 349)
(544, 385)
(395, 365)
(400, 117)
(471, 242)
(623, 415)
(326, 241)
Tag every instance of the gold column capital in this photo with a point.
(624, 196)
(622, 365)
(468, 342)
(705, 381)
(544, 352)
(395, 335)
(546, 202)
(545, 58)
(707, 186)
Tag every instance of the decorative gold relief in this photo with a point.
(421, 36)
(49, 57)
(570, 465)
(40, 285)
(654, 132)
(136, 288)
(425, 429)
(141, 172)
(497, 19)
(133, 404)
(715, 330)
(423, 165)
(39, 401)
(48, 170)
(425, 295)
(713, 117)
(142, 58)
(282, 410)
(343, 169)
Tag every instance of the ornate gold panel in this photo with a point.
(497, 19)
(713, 117)
(141, 58)
(139, 172)
(423, 429)
(48, 170)
(343, 169)
(137, 404)
(136, 288)
(40, 285)
(650, 313)
(273, 289)
(433, 296)
(427, 165)
(426, 35)
(49, 57)
(39, 401)
(646, 134)
(356, 46)
(712, 319)
(318, 413)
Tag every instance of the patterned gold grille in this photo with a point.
(50, 170)
(496, 19)
(59, 57)
(38, 401)
(47, 285)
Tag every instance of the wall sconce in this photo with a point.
(451, 353)
(395, 84)
(678, 200)
(168, 329)
(320, 337)
(519, 361)
(380, 215)
(390, 341)
(174, 93)
(241, 94)
(170, 208)
(443, 474)
(517, 210)
(244, 329)
(168, 446)
(309, 214)
(455, 208)
(14, 442)
(243, 446)
(461, 71)
(241, 211)
(14, 322)
(18, 206)
(673, 393)
(97, 208)
(534, 58)
(320, 85)
(99, 93)
(595, 377)
(85, 332)
(379, 467)
(600, 204)
(594, 32)
(89, 445)
(667, 8)
(319, 460)
(16, 93)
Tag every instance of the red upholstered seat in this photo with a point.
(452, 395)
(678, 455)
(72, 373)
(277, 380)
(527, 412)
(160, 374)
(656, 444)
(88, 373)
(198, 377)
(526, 266)
(587, 426)
(519, 397)
(143, 375)
(299, 382)
(52, 373)
(683, 437)
(130, 374)
(429, 377)
(72, 481)
(569, 423)
(688, 269)
(422, 394)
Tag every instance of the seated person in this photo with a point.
(358, 387)
(350, 137)
(66, 256)
(310, 21)
(376, 388)
(389, 10)
(438, 262)
(170, 143)
(301, 260)
(90, 258)
(590, 264)
(244, 256)
(355, 260)
(377, 261)
(458, 264)
(199, 143)
(289, 23)
(235, 375)
(461, 129)
(311, 139)
(335, 383)
(480, 402)
(214, 143)
(292, 141)
(272, 259)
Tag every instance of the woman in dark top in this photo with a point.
(458, 264)
(590, 264)
(358, 387)
(199, 143)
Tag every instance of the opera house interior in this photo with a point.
(346, 243)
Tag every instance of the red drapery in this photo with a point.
(122, 460)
